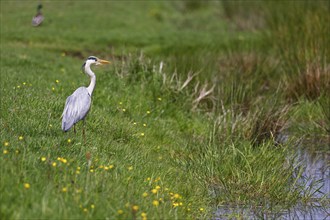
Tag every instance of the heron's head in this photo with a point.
(94, 60)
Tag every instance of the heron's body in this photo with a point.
(78, 104)
(76, 108)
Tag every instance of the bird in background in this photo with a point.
(38, 18)
(78, 104)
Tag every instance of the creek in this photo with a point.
(315, 179)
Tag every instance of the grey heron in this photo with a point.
(78, 104)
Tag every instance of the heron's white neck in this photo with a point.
(91, 86)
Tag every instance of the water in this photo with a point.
(315, 178)
(317, 171)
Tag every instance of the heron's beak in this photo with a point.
(103, 62)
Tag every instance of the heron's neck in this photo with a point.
(92, 76)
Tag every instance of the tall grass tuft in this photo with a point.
(299, 32)
(268, 124)
(310, 82)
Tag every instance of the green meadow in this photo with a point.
(190, 114)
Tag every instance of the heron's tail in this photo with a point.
(67, 123)
(66, 127)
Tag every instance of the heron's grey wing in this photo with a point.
(76, 108)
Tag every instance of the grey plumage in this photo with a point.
(76, 108)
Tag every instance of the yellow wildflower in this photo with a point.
(54, 164)
(155, 203)
(20, 138)
(64, 189)
(159, 99)
(157, 187)
(57, 81)
(26, 185)
(85, 210)
(53, 88)
(43, 159)
(77, 172)
(142, 134)
(145, 125)
(5, 151)
(124, 110)
(6, 143)
(120, 212)
(175, 204)
(201, 209)
(135, 208)
(176, 196)
(154, 191)
(148, 112)
(143, 215)
(69, 140)
(24, 83)
(145, 194)
(92, 206)
(130, 168)
(111, 166)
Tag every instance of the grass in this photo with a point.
(187, 117)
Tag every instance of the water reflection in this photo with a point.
(316, 181)
(297, 213)
(316, 175)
